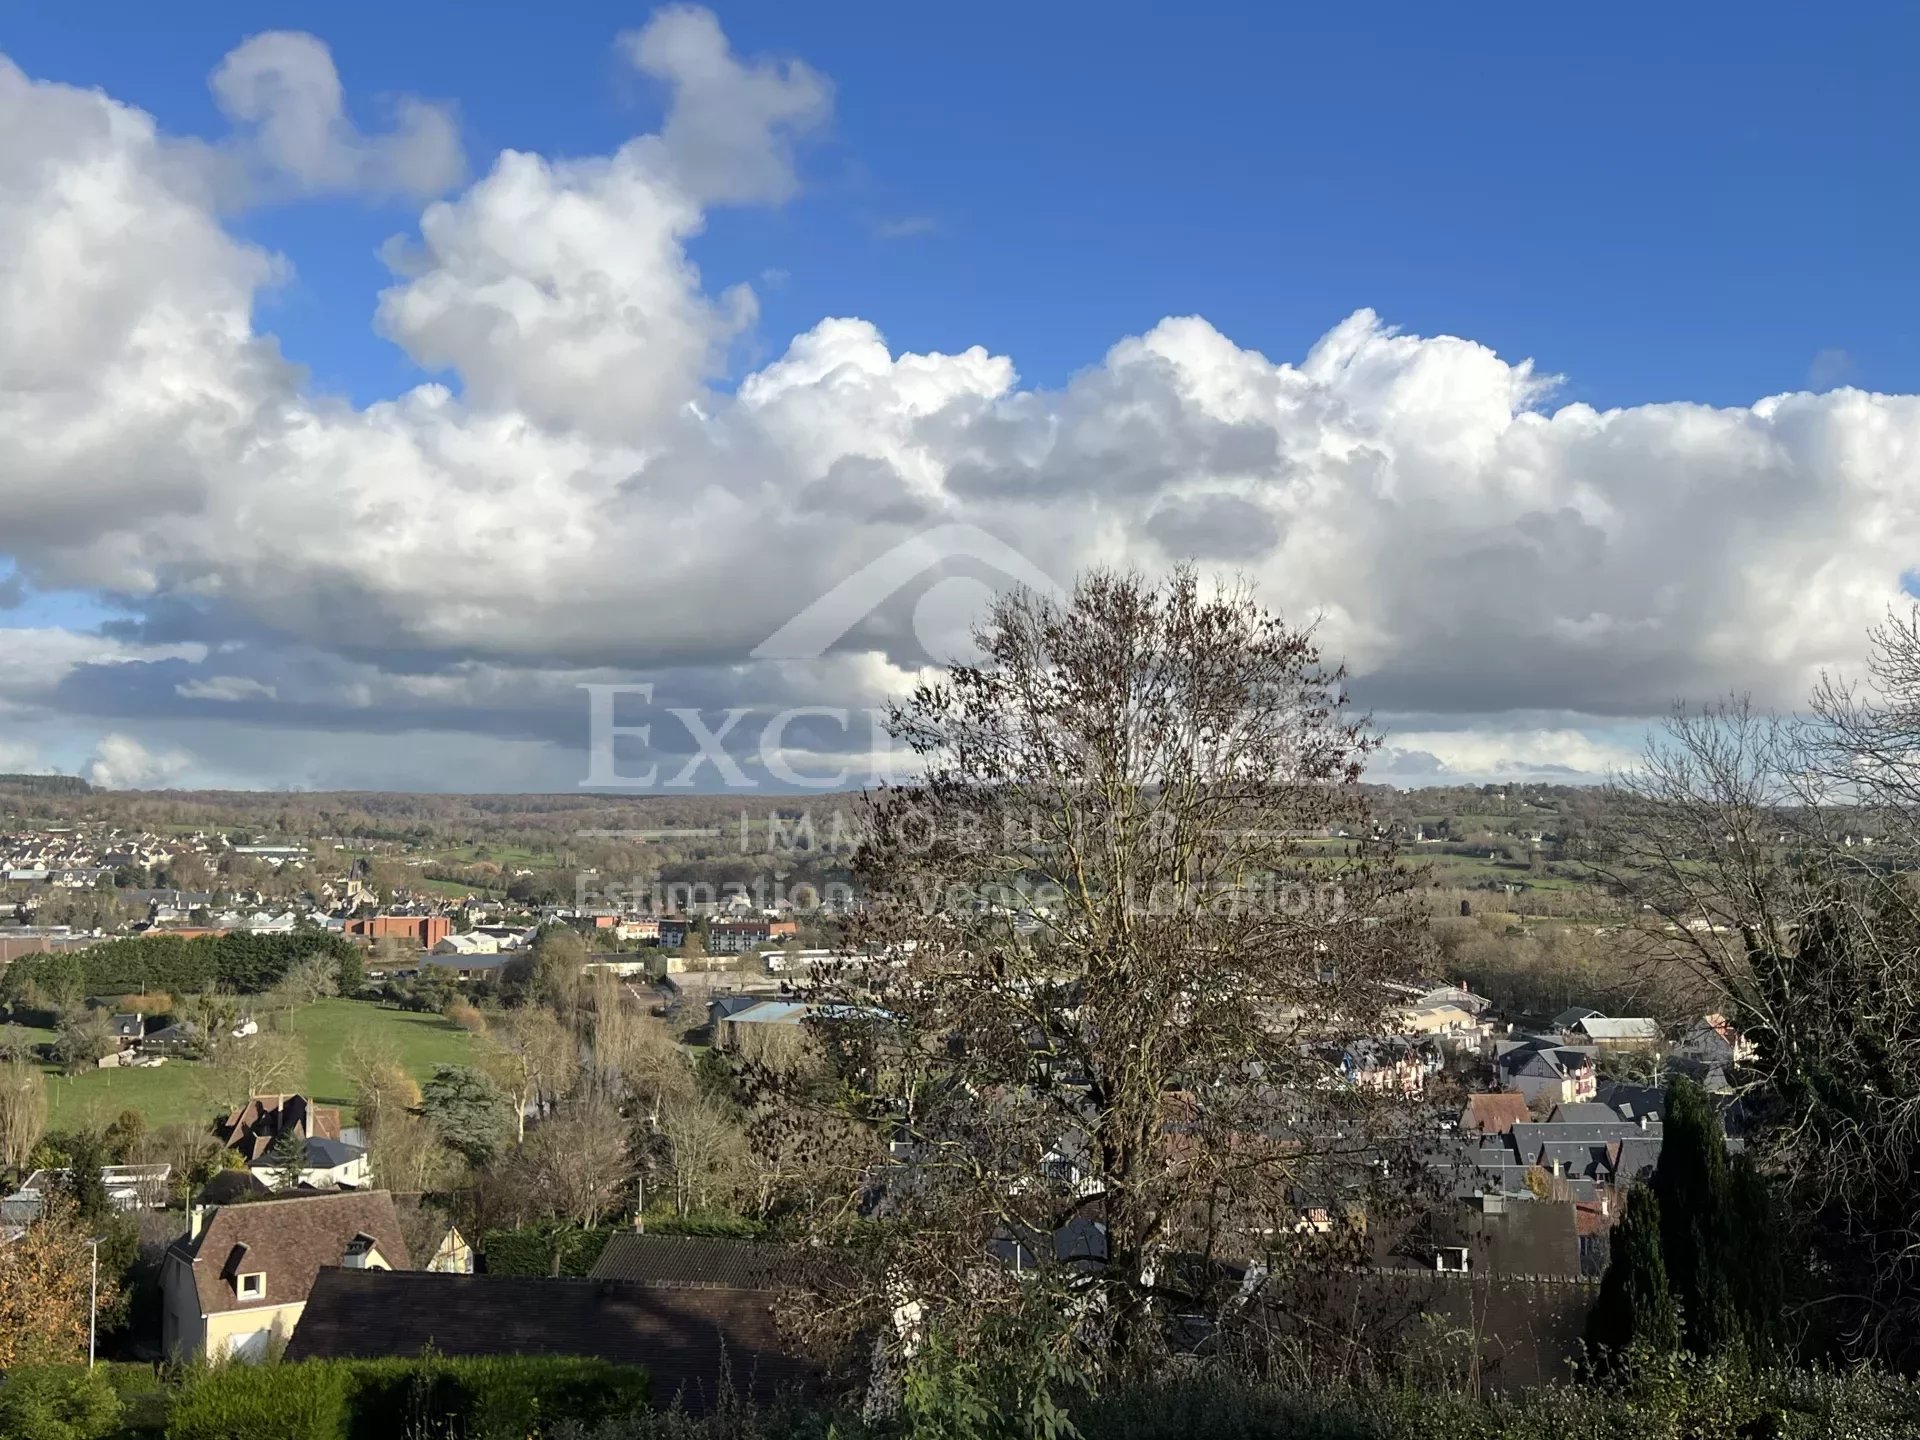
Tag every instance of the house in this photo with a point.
(1638, 1033)
(242, 1274)
(129, 1030)
(1713, 1041)
(1494, 1114)
(329, 1165)
(699, 1341)
(1572, 1016)
(1546, 1072)
(433, 1240)
(1390, 1065)
(253, 1127)
(129, 1188)
(474, 942)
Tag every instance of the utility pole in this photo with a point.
(93, 1298)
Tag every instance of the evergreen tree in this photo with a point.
(1757, 1268)
(287, 1156)
(1699, 1240)
(1636, 1308)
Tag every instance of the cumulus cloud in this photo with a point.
(284, 96)
(227, 689)
(123, 763)
(582, 497)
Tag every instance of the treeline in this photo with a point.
(243, 964)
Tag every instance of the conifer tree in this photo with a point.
(1698, 1236)
(1635, 1311)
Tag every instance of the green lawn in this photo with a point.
(176, 1092)
(421, 1041)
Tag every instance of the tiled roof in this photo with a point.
(696, 1342)
(1494, 1114)
(289, 1240)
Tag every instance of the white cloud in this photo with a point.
(226, 688)
(19, 758)
(284, 96)
(590, 502)
(122, 763)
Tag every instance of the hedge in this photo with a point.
(178, 964)
(533, 1249)
(505, 1397)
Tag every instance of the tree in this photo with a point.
(1635, 1310)
(1100, 928)
(268, 1062)
(350, 974)
(468, 1111)
(312, 978)
(23, 1110)
(1734, 840)
(408, 1154)
(85, 1040)
(287, 1157)
(704, 1150)
(1697, 1235)
(533, 1058)
(579, 1160)
(45, 1290)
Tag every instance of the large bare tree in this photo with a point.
(1110, 939)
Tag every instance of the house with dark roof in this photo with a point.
(698, 1342)
(241, 1275)
(1546, 1071)
(252, 1128)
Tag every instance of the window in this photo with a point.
(253, 1286)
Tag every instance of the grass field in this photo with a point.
(177, 1091)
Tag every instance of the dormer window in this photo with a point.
(252, 1286)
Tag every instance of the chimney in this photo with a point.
(358, 1249)
(196, 1222)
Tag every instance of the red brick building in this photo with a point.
(425, 931)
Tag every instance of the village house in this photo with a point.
(239, 1278)
(1545, 1072)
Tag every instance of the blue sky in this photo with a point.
(1663, 200)
(1678, 211)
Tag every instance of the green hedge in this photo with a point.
(177, 964)
(494, 1398)
(533, 1249)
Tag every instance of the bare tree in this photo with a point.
(704, 1150)
(1772, 859)
(580, 1161)
(23, 1110)
(1109, 938)
(408, 1155)
(534, 1058)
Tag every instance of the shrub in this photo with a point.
(57, 1402)
(266, 1402)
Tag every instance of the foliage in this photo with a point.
(241, 962)
(23, 1110)
(57, 1402)
(1635, 1311)
(469, 1111)
(495, 1398)
(543, 1250)
(44, 1288)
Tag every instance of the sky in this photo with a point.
(383, 384)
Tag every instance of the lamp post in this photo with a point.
(93, 1298)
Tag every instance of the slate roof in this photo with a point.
(288, 1239)
(696, 1342)
(252, 1128)
(702, 1261)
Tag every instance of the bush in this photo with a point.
(263, 1402)
(57, 1402)
(508, 1397)
(543, 1250)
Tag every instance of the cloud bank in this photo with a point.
(577, 491)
